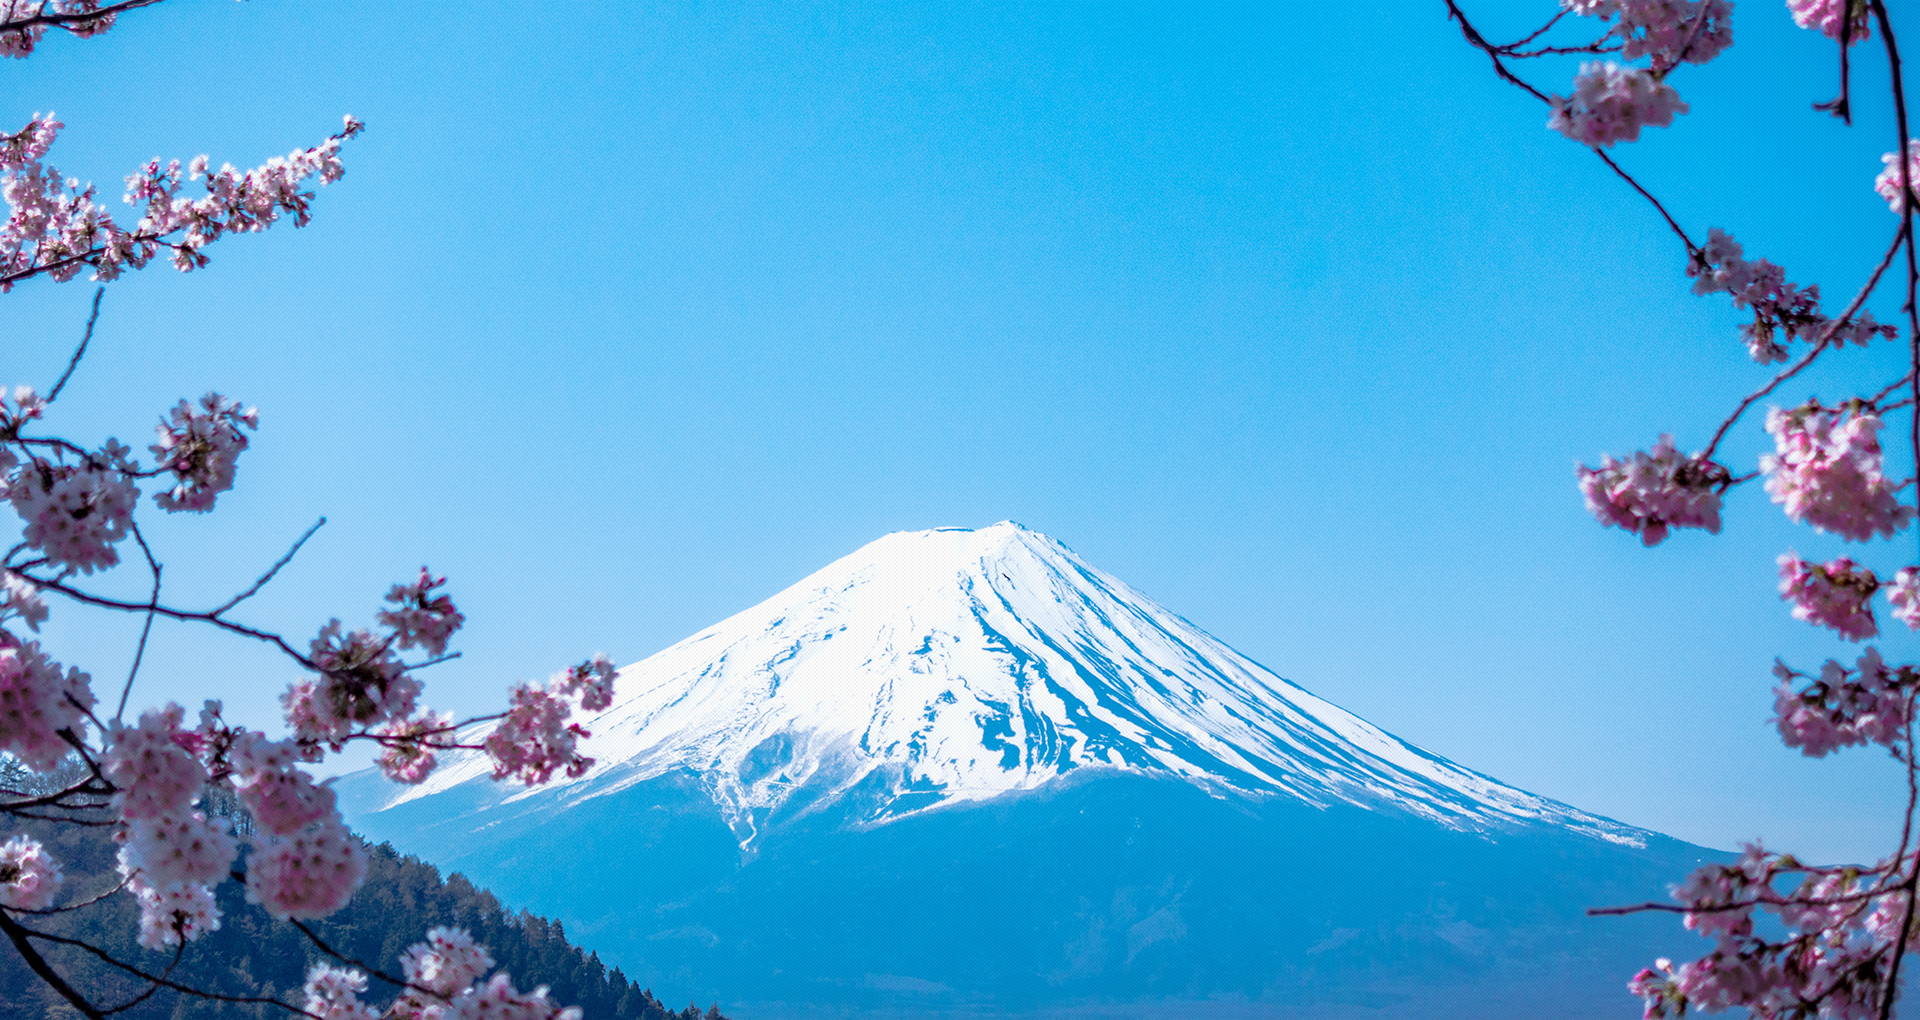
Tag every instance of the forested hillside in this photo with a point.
(252, 955)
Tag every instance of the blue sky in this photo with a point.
(1290, 315)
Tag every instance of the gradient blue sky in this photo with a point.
(1290, 315)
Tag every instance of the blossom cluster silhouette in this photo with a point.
(149, 785)
(1839, 934)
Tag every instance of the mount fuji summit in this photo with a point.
(962, 772)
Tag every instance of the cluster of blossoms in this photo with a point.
(1841, 930)
(1887, 185)
(1842, 707)
(38, 702)
(535, 739)
(444, 982)
(300, 861)
(1827, 471)
(1836, 595)
(424, 618)
(362, 684)
(1667, 31)
(1780, 309)
(1611, 103)
(1653, 492)
(1833, 961)
(1904, 595)
(29, 876)
(76, 513)
(20, 600)
(17, 38)
(1827, 16)
(200, 448)
(57, 227)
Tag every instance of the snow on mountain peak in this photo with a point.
(957, 665)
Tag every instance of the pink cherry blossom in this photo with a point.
(29, 876)
(423, 619)
(151, 768)
(200, 448)
(333, 993)
(1843, 707)
(1837, 595)
(408, 756)
(535, 739)
(1610, 103)
(1824, 16)
(499, 1000)
(591, 681)
(174, 912)
(447, 962)
(1827, 471)
(1904, 594)
(75, 513)
(307, 874)
(361, 685)
(284, 799)
(1782, 311)
(186, 847)
(1653, 492)
(1887, 185)
(1665, 30)
(37, 701)
(20, 599)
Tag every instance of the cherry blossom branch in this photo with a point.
(1840, 106)
(1888, 391)
(77, 904)
(371, 970)
(1913, 344)
(64, 19)
(1493, 52)
(39, 965)
(179, 950)
(144, 975)
(1692, 249)
(101, 601)
(1820, 343)
(251, 201)
(74, 363)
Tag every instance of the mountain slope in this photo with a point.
(965, 664)
(964, 772)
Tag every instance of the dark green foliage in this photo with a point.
(254, 955)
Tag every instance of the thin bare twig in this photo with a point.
(103, 602)
(268, 576)
(74, 362)
(1888, 391)
(140, 650)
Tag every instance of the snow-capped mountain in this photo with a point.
(963, 664)
(963, 772)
